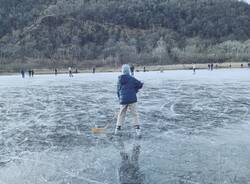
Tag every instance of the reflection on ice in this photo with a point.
(129, 170)
(195, 129)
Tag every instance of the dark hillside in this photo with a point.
(45, 33)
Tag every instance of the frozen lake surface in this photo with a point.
(196, 129)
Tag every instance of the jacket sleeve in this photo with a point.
(138, 85)
(118, 88)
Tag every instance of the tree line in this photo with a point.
(54, 33)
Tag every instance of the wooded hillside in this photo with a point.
(58, 33)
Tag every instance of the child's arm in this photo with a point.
(138, 85)
(118, 88)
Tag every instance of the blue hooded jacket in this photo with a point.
(127, 87)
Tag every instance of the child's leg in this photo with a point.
(121, 115)
(134, 112)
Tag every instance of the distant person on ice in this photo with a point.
(212, 66)
(70, 72)
(127, 87)
(23, 73)
(30, 72)
(194, 68)
(132, 69)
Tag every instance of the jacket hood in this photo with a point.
(126, 69)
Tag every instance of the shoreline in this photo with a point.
(139, 68)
